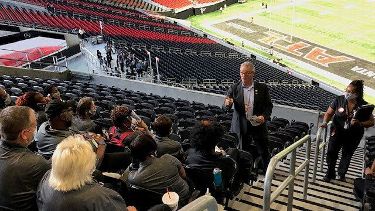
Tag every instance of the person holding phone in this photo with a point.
(126, 126)
(52, 93)
(252, 107)
(346, 132)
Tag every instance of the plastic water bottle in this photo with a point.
(208, 192)
(218, 180)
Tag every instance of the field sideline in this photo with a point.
(344, 26)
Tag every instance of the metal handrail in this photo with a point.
(320, 146)
(269, 197)
(204, 202)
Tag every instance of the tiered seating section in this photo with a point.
(182, 112)
(182, 53)
(129, 3)
(65, 23)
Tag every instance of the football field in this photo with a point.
(337, 36)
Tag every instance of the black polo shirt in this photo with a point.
(90, 196)
(340, 106)
(20, 173)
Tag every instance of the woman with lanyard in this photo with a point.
(346, 132)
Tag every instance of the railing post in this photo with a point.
(291, 185)
(66, 62)
(307, 168)
(323, 149)
(316, 154)
(268, 184)
(28, 61)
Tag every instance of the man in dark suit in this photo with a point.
(252, 107)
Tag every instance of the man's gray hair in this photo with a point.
(248, 64)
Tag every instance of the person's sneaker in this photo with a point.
(342, 178)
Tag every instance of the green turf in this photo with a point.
(344, 25)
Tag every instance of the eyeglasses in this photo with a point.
(246, 73)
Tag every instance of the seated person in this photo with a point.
(36, 101)
(53, 131)
(5, 99)
(57, 128)
(162, 128)
(85, 110)
(52, 92)
(123, 132)
(69, 184)
(154, 173)
(205, 136)
(20, 169)
(359, 183)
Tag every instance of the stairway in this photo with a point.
(335, 195)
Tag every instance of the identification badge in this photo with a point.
(346, 125)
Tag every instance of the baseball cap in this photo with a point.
(55, 108)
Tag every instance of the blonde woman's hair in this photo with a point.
(72, 164)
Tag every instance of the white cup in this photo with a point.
(171, 199)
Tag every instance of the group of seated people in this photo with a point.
(52, 152)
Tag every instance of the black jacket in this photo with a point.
(262, 106)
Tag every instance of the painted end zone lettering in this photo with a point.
(272, 38)
(363, 71)
(319, 56)
(294, 47)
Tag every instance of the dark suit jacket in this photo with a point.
(262, 106)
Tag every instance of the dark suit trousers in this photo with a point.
(258, 136)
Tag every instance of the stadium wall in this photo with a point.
(197, 9)
(26, 33)
(34, 73)
(179, 15)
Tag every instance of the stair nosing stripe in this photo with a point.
(316, 196)
(341, 185)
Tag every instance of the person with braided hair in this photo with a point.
(346, 132)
